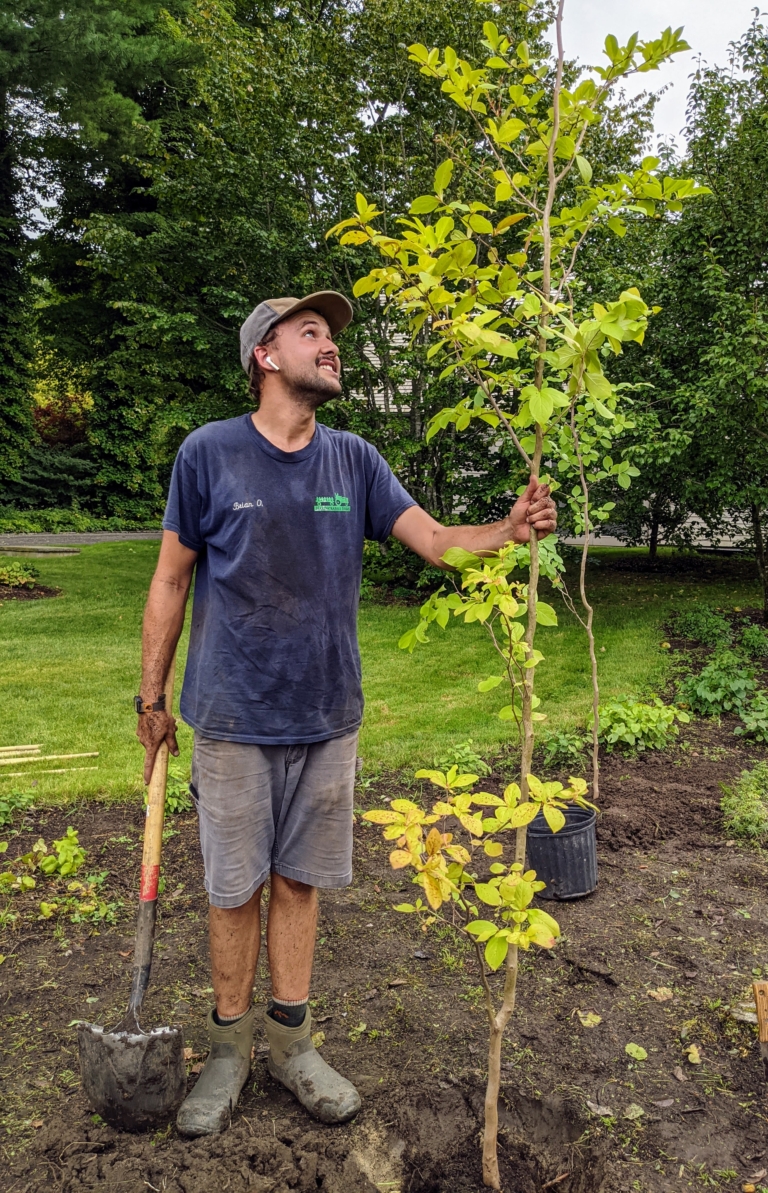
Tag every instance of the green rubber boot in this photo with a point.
(295, 1062)
(208, 1109)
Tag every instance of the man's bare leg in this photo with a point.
(235, 938)
(293, 1059)
(291, 931)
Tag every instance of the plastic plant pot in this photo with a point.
(566, 861)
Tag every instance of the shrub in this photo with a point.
(754, 642)
(745, 805)
(16, 574)
(51, 521)
(638, 726)
(754, 718)
(12, 802)
(68, 857)
(726, 684)
(563, 749)
(177, 797)
(464, 758)
(703, 625)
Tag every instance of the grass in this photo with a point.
(71, 665)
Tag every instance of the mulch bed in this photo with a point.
(677, 906)
(7, 593)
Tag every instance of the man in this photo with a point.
(272, 508)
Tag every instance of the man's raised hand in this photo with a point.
(535, 508)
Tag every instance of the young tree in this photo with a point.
(499, 297)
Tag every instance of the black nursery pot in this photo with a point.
(566, 861)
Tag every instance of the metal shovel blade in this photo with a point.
(133, 1079)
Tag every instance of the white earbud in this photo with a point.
(272, 363)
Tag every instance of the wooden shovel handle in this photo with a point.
(150, 872)
(153, 827)
(760, 991)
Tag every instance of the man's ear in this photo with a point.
(261, 354)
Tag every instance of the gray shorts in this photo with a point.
(273, 809)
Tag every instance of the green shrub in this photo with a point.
(13, 802)
(726, 684)
(754, 642)
(636, 725)
(52, 521)
(177, 797)
(563, 749)
(754, 718)
(68, 857)
(703, 625)
(745, 805)
(465, 758)
(16, 574)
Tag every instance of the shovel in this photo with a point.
(132, 1077)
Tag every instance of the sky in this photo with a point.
(709, 26)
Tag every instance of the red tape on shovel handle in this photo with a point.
(150, 877)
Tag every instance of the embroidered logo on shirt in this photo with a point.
(246, 505)
(336, 504)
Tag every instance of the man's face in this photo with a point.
(307, 358)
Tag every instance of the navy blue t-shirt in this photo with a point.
(273, 656)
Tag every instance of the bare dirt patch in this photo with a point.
(676, 907)
(39, 592)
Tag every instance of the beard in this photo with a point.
(311, 387)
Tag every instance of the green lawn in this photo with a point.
(70, 666)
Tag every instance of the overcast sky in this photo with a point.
(709, 26)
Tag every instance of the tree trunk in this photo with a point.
(654, 545)
(762, 563)
(16, 417)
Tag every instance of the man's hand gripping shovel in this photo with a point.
(135, 1078)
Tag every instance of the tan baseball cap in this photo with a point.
(335, 309)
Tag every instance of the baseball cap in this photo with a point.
(335, 309)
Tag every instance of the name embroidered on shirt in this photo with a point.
(246, 505)
(336, 504)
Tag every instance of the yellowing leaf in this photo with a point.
(380, 816)
(589, 1018)
(318, 1039)
(636, 1051)
(693, 1054)
(399, 858)
(554, 818)
(493, 848)
(663, 994)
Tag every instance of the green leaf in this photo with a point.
(482, 929)
(636, 1051)
(457, 557)
(443, 175)
(478, 223)
(584, 168)
(541, 404)
(487, 685)
(424, 204)
(545, 614)
(496, 951)
(404, 907)
(488, 894)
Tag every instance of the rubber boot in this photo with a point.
(295, 1062)
(208, 1109)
